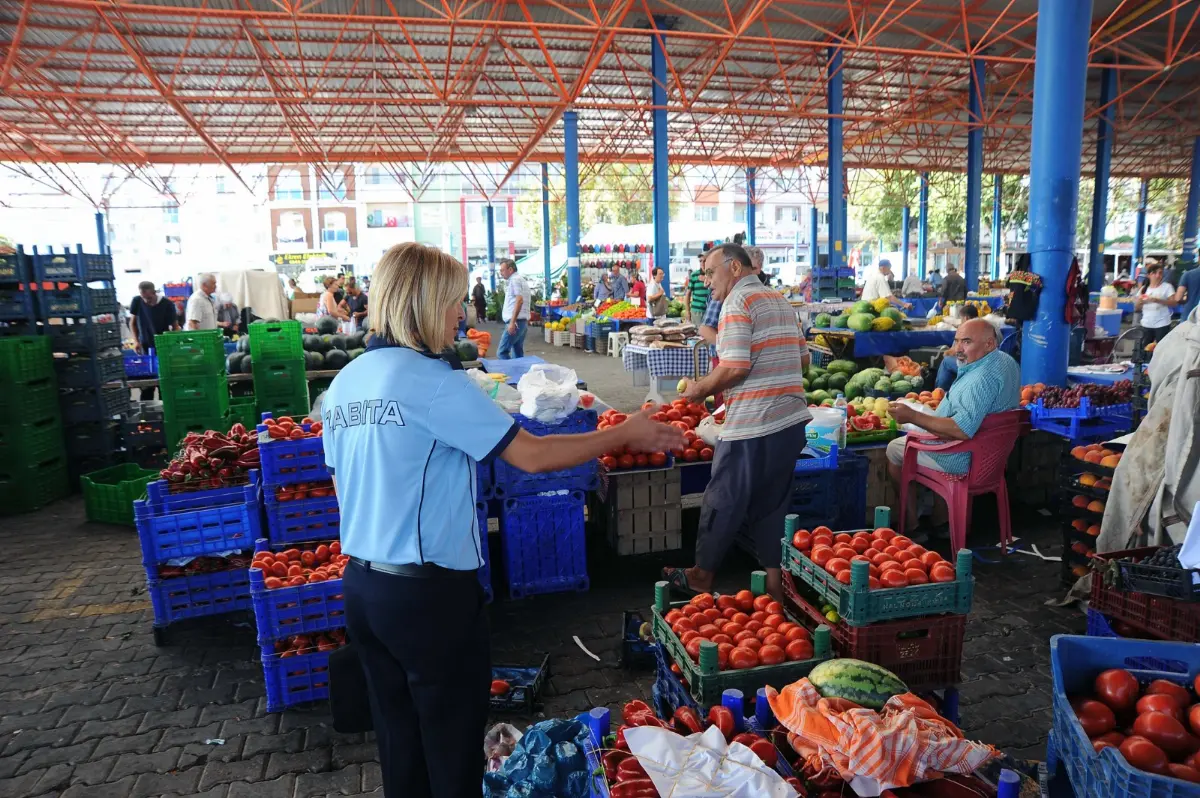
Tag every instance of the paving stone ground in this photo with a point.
(89, 706)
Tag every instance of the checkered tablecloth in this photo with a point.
(666, 362)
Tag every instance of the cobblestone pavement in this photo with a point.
(91, 707)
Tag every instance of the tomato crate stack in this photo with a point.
(298, 494)
(192, 382)
(299, 608)
(33, 461)
(641, 511)
(1165, 607)
(277, 362)
(1085, 481)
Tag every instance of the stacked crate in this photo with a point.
(16, 297)
(192, 382)
(641, 511)
(143, 435)
(277, 362)
(33, 463)
(77, 304)
(1086, 479)
(196, 548)
(541, 517)
(298, 496)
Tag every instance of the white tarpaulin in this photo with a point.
(260, 291)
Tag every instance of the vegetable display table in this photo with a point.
(659, 364)
(868, 344)
(513, 368)
(1090, 374)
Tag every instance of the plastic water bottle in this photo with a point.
(840, 401)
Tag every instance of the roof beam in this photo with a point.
(11, 56)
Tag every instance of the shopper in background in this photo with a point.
(403, 425)
(201, 310)
(656, 296)
(1155, 301)
(954, 287)
(935, 278)
(603, 288)
(328, 304)
(1188, 294)
(516, 311)
(696, 297)
(339, 288)
(292, 288)
(227, 315)
(637, 286)
(618, 283)
(149, 315)
(879, 285)
(913, 287)
(479, 300)
(355, 305)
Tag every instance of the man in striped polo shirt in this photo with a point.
(762, 354)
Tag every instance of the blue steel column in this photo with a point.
(997, 196)
(751, 214)
(833, 91)
(101, 233)
(491, 242)
(923, 225)
(661, 205)
(1059, 88)
(974, 174)
(814, 249)
(1104, 142)
(905, 218)
(571, 164)
(546, 227)
(1139, 236)
(1192, 216)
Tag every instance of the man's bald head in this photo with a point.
(975, 338)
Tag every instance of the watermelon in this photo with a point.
(837, 382)
(860, 322)
(353, 353)
(893, 314)
(233, 363)
(807, 383)
(901, 387)
(466, 351)
(896, 376)
(815, 371)
(863, 683)
(336, 359)
(243, 344)
(853, 390)
(862, 307)
(841, 322)
(247, 364)
(844, 366)
(820, 382)
(327, 325)
(818, 396)
(339, 342)
(823, 320)
(315, 361)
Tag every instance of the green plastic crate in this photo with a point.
(174, 430)
(275, 341)
(109, 494)
(195, 397)
(295, 406)
(30, 442)
(280, 379)
(705, 681)
(27, 488)
(33, 400)
(858, 605)
(190, 353)
(243, 410)
(25, 359)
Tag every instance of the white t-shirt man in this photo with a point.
(201, 309)
(876, 286)
(516, 287)
(1153, 314)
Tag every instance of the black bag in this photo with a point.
(349, 700)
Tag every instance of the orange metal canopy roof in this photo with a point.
(331, 81)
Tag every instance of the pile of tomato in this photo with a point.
(294, 568)
(895, 561)
(304, 490)
(749, 630)
(1155, 729)
(297, 645)
(686, 416)
(623, 459)
(286, 428)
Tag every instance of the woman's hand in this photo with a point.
(645, 435)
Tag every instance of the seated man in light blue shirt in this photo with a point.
(989, 381)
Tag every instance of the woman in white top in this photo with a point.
(1155, 303)
(328, 305)
(656, 297)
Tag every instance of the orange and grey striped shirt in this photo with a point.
(759, 331)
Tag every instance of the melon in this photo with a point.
(233, 363)
(823, 320)
(895, 376)
(884, 385)
(339, 342)
(243, 344)
(327, 325)
(336, 359)
(841, 322)
(862, 307)
(247, 364)
(844, 366)
(863, 683)
(901, 386)
(893, 314)
(860, 322)
(883, 324)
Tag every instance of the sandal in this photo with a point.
(677, 577)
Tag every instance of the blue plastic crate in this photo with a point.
(598, 724)
(1082, 429)
(287, 611)
(484, 482)
(213, 530)
(230, 346)
(85, 335)
(198, 595)
(543, 541)
(1074, 663)
(485, 573)
(76, 301)
(812, 493)
(89, 371)
(288, 462)
(301, 521)
(16, 304)
(1098, 625)
(1085, 410)
(813, 460)
(161, 500)
(295, 680)
(177, 290)
(511, 481)
(850, 491)
(71, 267)
(140, 365)
(14, 267)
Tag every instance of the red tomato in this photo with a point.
(764, 749)
(723, 650)
(753, 625)
(721, 637)
(1114, 737)
(773, 608)
(1164, 731)
(704, 601)
(843, 576)
(733, 628)
(658, 459)
(821, 555)
(625, 461)
(771, 655)
(860, 545)
(752, 643)
(773, 621)
(941, 572)
(684, 624)
(1144, 755)
(1095, 717)
(745, 600)
(1160, 702)
(893, 577)
(844, 552)
(708, 630)
(915, 576)
(1163, 687)
(797, 650)
(693, 648)
(741, 658)
(761, 602)
(758, 615)
(691, 455)
(797, 633)
(930, 559)
(499, 687)
(743, 636)
(1117, 688)
(641, 461)
(802, 540)
(775, 639)
(712, 614)
(765, 632)
(1185, 772)
(837, 564)
(688, 636)
(706, 453)
(1193, 717)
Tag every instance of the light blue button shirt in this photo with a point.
(403, 432)
(992, 384)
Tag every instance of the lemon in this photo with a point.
(832, 616)
(881, 406)
(826, 608)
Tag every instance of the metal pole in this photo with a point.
(1059, 89)
(101, 233)
(546, 227)
(1104, 142)
(1139, 235)
(833, 91)
(923, 225)
(1192, 216)
(974, 173)
(491, 241)
(661, 204)
(751, 213)
(571, 164)
(997, 223)
(905, 218)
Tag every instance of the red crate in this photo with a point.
(926, 653)
(1161, 617)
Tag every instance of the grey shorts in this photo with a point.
(895, 455)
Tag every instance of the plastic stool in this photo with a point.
(616, 343)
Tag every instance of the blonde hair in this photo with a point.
(411, 290)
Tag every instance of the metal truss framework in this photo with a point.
(410, 83)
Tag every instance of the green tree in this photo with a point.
(879, 198)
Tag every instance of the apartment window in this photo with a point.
(706, 213)
(334, 229)
(288, 185)
(174, 245)
(171, 214)
(739, 213)
(336, 192)
(787, 213)
(500, 214)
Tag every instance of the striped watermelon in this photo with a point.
(861, 682)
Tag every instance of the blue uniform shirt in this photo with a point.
(992, 384)
(403, 431)
(1191, 283)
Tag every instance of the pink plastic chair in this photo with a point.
(989, 449)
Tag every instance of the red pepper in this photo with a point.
(611, 760)
(634, 707)
(721, 717)
(620, 744)
(686, 721)
(745, 738)
(237, 429)
(630, 768)
(638, 788)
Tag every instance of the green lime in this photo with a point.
(832, 616)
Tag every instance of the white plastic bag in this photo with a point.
(549, 393)
(709, 431)
(703, 765)
(501, 393)
(498, 744)
(920, 408)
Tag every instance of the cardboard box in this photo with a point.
(304, 304)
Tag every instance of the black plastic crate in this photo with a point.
(525, 686)
(1176, 583)
(77, 300)
(72, 267)
(637, 652)
(83, 335)
(94, 404)
(90, 371)
(93, 439)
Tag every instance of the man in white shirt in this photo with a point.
(878, 286)
(201, 311)
(516, 311)
(912, 285)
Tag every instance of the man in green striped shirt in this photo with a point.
(697, 294)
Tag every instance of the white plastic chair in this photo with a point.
(616, 343)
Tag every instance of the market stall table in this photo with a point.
(670, 363)
(513, 368)
(870, 344)
(1100, 375)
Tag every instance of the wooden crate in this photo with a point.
(880, 490)
(641, 512)
(643, 489)
(648, 544)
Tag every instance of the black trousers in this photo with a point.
(424, 648)
(1154, 334)
(750, 490)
